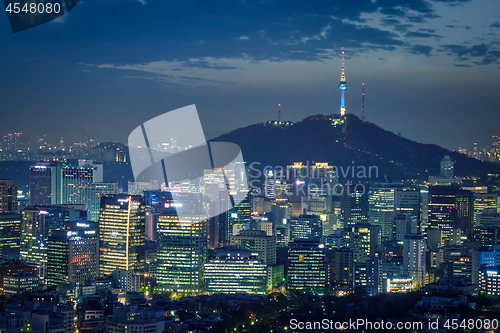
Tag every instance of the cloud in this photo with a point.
(462, 65)
(495, 25)
(142, 1)
(420, 34)
(421, 49)
(461, 51)
(243, 37)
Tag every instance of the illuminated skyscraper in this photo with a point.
(122, 231)
(447, 167)
(307, 266)
(381, 206)
(182, 245)
(305, 227)
(73, 254)
(258, 241)
(10, 235)
(36, 224)
(45, 184)
(8, 196)
(414, 258)
(354, 206)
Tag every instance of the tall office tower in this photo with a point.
(305, 227)
(414, 258)
(10, 236)
(182, 245)
(8, 196)
(407, 201)
(368, 276)
(282, 235)
(36, 223)
(381, 206)
(365, 238)
(344, 266)
(434, 237)
(281, 210)
(73, 254)
(269, 183)
(404, 224)
(466, 266)
(97, 191)
(240, 214)
(484, 204)
(442, 212)
(464, 205)
(257, 241)
(447, 167)
(424, 210)
(121, 233)
(306, 266)
(45, 184)
(231, 271)
(77, 182)
(316, 204)
(354, 206)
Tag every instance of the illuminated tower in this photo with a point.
(122, 231)
(342, 87)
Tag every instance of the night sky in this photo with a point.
(431, 68)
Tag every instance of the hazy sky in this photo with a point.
(430, 68)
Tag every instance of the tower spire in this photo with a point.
(342, 88)
(363, 117)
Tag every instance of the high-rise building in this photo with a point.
(484, 204)
(489, 281)
(404, 224)
(365, 238)
(414, 258)
(121, 233)
(305, 227)
(407, 201)
(232, 271)
(306, 266)
(368, 276)
(281, 210)
(36, 224)
(127, 280)
(19, 283)
(97, 191)
(10, 236)
(450, 209)
(447, 167)
(11, 267)
(354, 206)
(381, 205)
(182, 245)
(257, 241)
(8, 196)
(45, 184)
(344, 266)
(240, 214)
(73, 254)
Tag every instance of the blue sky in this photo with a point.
(430, 68)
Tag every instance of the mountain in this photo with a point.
(322, 138)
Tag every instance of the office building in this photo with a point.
(131, 318)
(99, 190)
(19, 283)
(404, 224)
(447, 167)
(368, 276)
(381, 205)
(182, 245)
(233, 271)
(127, 280)
(73, 254)
(45, 184)
(121, 233)
(8, 196)
(10, 236)
(484, 204)
(354, 206)
(408, 201)
(306, 266)
(414, 258)
(305, 227)
(489, 281)
(257, 241)
(365, 238)
(11, 267)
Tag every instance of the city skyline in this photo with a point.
(428, 66)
